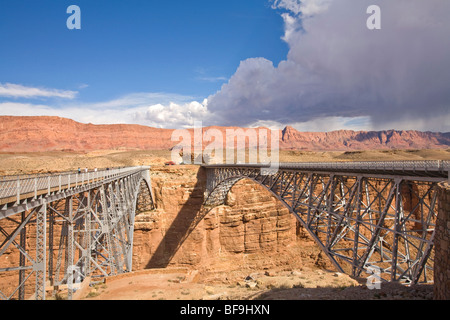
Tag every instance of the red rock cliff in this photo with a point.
(38, 134)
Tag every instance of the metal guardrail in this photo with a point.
(27, 186)
(427, 165)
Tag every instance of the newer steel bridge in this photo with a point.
(372, 217)
(58, 229)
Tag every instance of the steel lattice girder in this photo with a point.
(94, 224)
(359, 220)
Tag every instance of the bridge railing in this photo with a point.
(428, 165)
(31, 186)
(425, 166)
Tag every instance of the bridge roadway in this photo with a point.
(372, 217)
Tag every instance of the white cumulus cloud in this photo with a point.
(172, 111)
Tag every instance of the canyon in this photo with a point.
(249, 248)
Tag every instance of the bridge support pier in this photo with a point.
(41, 249)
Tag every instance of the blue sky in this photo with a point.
(184, 47)
(312, 64)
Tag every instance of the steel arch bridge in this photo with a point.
(57, 230)
(372, 217)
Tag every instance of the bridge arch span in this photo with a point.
(217, 196)
(143, 195)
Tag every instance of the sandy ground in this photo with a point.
(24, 163)
(299, 284)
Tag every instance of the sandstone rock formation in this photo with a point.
(251, 226)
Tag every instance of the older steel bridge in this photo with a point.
(58, 229)
(372, 217)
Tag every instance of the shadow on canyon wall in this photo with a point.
(187, 219)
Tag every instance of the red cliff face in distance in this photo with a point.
(362, 140)
(40, 134)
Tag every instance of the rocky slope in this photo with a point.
(40, 134)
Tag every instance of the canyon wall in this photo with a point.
(242, 234)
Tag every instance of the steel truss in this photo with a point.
(380, 223)
(82, 229)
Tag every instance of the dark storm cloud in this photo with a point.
(337, 67)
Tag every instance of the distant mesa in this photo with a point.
(40, 134)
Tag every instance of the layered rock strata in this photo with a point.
(40, 134)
